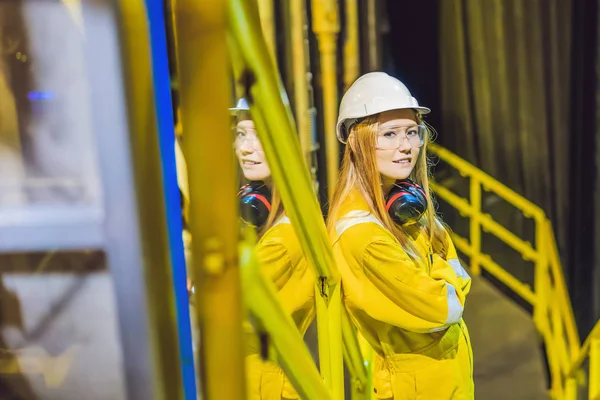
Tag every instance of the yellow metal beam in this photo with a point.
(326, 26)
(214, 225)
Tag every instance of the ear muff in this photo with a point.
(406, 202)
(255, 203)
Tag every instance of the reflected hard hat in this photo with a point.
(242, 105)
(372, 94)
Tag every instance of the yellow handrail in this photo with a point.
(553, 314)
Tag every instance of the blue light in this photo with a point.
(40, 96)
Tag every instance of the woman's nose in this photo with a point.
(247, 146)
(405, 146)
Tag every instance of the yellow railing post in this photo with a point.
(203, 63)
(571, 389)
(326, 26)
(475, 226)
(594, 379)
(541, 283)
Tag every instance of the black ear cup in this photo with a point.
(255, 203)
(406, 202)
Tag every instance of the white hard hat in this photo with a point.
(372, 94)
(242, 105)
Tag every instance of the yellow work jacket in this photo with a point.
(282, 261)
(410, 314)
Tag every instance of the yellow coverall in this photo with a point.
(282, 261)
(411, 315)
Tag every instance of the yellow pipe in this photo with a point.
(300, 69)
(151, 207)
(326, 27)
(351, 45)
(267, 23)
(373, 35)
(214, 225)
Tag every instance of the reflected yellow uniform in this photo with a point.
(283, 262)
(411, 315)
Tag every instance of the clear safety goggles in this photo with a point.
(247, 139)
(395, 137)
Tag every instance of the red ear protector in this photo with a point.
(255, 203)
(406, 202)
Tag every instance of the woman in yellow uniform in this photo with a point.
(279, 253)
(404, 286)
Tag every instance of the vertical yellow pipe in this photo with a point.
(205, 96)
(475, 228)
(267, 24)
(351, 46)
(372, 34)
(326, 26)
(300, 69)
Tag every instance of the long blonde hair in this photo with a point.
(275, 214)
(359, 172)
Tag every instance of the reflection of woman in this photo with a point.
(280, 257)
(403, 283)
